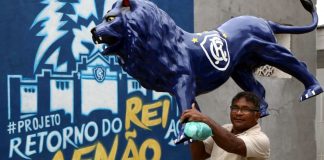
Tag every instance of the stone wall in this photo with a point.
(320, 99)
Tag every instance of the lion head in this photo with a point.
(145, 38)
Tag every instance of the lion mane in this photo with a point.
(152, 33)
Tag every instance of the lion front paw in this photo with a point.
(182, 137)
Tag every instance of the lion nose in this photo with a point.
(93, 30)
(94, 36)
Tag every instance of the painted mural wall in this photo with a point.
(61, 99)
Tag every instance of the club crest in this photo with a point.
(99, 73)
(216, 50)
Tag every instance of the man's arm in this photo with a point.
(198, 151)
(223, 138)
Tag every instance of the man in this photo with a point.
(243, 139)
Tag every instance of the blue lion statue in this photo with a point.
(163, 57)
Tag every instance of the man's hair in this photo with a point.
(248, 96)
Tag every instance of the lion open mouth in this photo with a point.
(110, 41)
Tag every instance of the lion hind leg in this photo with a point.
(278, 56)
(311, 91)
(245, 79)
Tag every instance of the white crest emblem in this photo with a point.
(216, 50)
(99, 73)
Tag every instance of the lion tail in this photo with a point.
(280, 28)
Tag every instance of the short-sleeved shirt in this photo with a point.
(257, 145)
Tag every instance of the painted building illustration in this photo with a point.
(96, 84)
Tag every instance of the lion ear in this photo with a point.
(129, 3)
(126, 3)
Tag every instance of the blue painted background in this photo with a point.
(57, 85)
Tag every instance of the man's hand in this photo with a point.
(193, 115)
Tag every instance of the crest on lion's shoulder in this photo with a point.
(216, 50)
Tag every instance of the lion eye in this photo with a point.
(110, 18)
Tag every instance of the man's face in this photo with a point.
(243, 115)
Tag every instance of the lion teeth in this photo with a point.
(100, 38)
(96, 42)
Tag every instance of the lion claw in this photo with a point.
(182, 137)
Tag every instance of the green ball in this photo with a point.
(197, 130)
